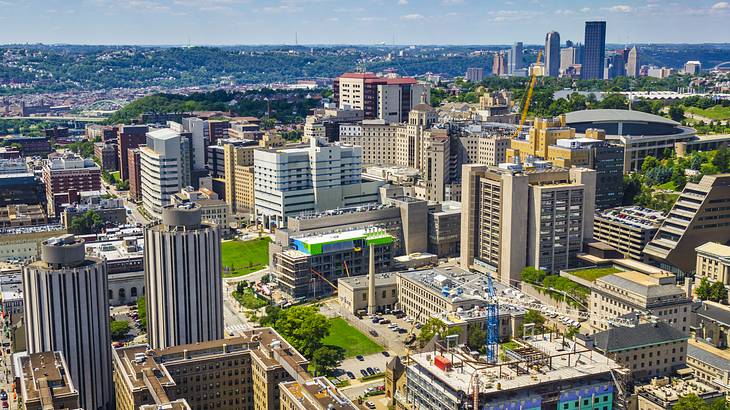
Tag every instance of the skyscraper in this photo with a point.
(632, 63)
(165, 168)
(594, 50)
(552, 54)
(67, 310)
(499, 67)
(182, 278)
(515, 58)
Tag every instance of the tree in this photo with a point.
(86, 223)
(650, 162)
(690, 402)
(476, 339)
(718, 292)
(435, 327)
(530, 274)
(327, 358)
(142, 312)
(122, 185)
(534, 317)
(703, 290)
(118, 329)
(303, 327)
(676, 113)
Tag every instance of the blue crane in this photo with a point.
(492, 322)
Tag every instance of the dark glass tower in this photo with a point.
(594, 50)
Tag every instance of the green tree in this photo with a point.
(122, 185)
(690, 402)
(476, 338)
(435, 327)
(303, 327)
(86, 223)
(533, 275)
(118, 329)
(650, 162)
(534, 317)
(704, 289)
(718, 292)
(327, 358)
(676, 112)
(142, 312)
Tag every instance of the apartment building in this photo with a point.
(321, 176)
(649, 350)
(532, 215)
(106, 154)
(164, 168)
(66, 176)
(701, 214)
(386, 98)
(631, 291)
(627, 229)
(45, 382)
(238, 174)
(713, 263)
(134, 165)
(324, 123)
(212, 209)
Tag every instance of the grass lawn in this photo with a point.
(667, 185)
(115, 176)
(249, 300)
(352, 340)
(243, 257)
(717, 112)
(592, 274)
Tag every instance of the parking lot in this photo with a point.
(375, 361)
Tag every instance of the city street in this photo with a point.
(6, 376)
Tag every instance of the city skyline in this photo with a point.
(242, 22)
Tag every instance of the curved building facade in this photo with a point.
(183, 278)
(66, 309)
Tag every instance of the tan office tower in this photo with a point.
(238, 174)
(633, 65)
(516, 216)
(67, 310)
(183, 278)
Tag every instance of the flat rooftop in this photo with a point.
(450, 282)
(318, 393)
(714, 248)
(361, 282)
(342, 236)
(634, 216)
(132, 247)
(668, 391)
(48, 366)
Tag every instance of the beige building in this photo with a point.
(212, 209)
(627, 229)
(352, 292)
(713, 324)
(243, 372)
(524, 215)
(664, 393)
(45, 382)
(316, 394)
(627, 292)
(709, 364)
(713, 263)
(544, 133)
(238, 175)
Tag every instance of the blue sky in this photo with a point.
(357, 22)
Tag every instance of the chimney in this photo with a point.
(371, 280)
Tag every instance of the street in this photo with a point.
(6, 379)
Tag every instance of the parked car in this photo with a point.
(3, 395)
(350, 375)
(363, 372)
(376, 370)
(384, 322)
(360, 358)
(374, 333)
(370, 371)
(386, 354)
(369, 404)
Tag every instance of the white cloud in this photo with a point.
(402, 2)
(368, 19)
(411, 17)
(723, 5)
(621, 8)
(564, 11)
(585, 9)
(451, 2)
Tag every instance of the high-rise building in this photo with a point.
(516, 55)
(134, 167)
(594, 51)
(386, 98)
(165, 168)
(18, 184)
(499, 65)
(633, 63)
(238, 175)
(692, 67)
(65, 177)
(552, 54)
(474, 74)
(67, 310)
(128, 137)
(616, 64)
(524, 215)
(182, 278)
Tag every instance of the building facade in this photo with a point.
(164, 168)
(594, 50)
(627, 229)
(129, 137)
(552, 54)
(65, 177)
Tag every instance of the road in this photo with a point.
(6, 370)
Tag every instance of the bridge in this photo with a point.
(57, 118)
(725, 66)
(105, 105)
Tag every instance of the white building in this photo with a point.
(318, 177)
(164, 169)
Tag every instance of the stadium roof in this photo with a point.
(616, 116)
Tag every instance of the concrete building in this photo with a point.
(709, 364)
(129, 137)
(19, 185)
(352, 293)
(15, 216)
(515, 58)
(212, 209)
(633, 63)
(713, 263)
(246, 371)
(594, 51)
(499, 63)
(30, 146)
(65, 177)
(325, 122)
(474, 74)
(390, 99)
(552, 54)
(692, 67)
(627, 229)
(696, 218)
(649, 350)
(444, 229)
(318, 177)
(664, 393)
(106, 154)
(183, 257)
(712, 323)
(316, 394)
(111, 210)
(125, 267)
(66, 310)
(509, 214)
(238, 172)
(45, 382)
(165, 168)
(103, 133)
(631, 291)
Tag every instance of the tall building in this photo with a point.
(594, 50)
(290, 181)
(18, 185)
(67, 310)
(164, 168)
(516, 55)
(552, 54)
(627, 229)
(474, 74)
(524, 215)
(616, 64)
(499, 65)
(134, 166)
(239, 177)
(386, 98)
(128, 137)
(692, 67)
(698, 216)
(633, 64)
(182, 276)
(65, 177)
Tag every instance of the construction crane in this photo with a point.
(528, 98)
(324, 279)
(492, 342)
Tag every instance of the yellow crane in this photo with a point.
(528, 98)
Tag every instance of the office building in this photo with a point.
(321, 176)
(552, 54)
(18, 185)
(474, 75)
(164, 168)
(444, 229)
(45, 382)
(134, 166)
(14, 216)
(499, 65)
(29, 146)
(649, 349)
(695, 219)
(570, 57)
(709, 364)
(515, 57)
(627, 229)
(508, 214)
(241, 372)
(125, 266)
(216, 154)
(316, 394)
(594, 50)
(66, 310)
(665, 393)
(692, 67)
(183, 257)
(633, 63)
(102, 133)
(106, 154)
(325, 122)
(660, 72)
(238, 171)
(386, 98)
(212, 209)
(129, 137)
(352, 293)
(111, 211)
(712, 323)
(713, 263)
(65, 177)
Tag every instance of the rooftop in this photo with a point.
(708, 354)
(450, 282)
(646, 334)
(611, 115)
(361, 282)
(714, 249)
(318, 393)
(44, 376)
(665, 391)
(633, 216)
(648, 286)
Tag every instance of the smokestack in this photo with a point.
(371, 281)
